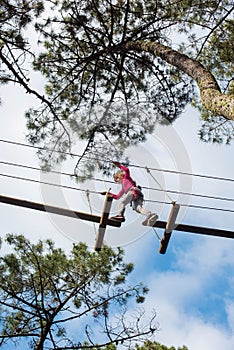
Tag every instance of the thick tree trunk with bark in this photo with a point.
(211, 97)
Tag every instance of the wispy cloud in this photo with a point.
(192, 295)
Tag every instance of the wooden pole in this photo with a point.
(103, 223)
(169, 228)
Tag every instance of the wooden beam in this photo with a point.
(169, 228)
(205, 231)
(210, 231)
(103, 223)
(56, 210)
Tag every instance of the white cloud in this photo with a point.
(182, 329)
(230, 314)
(181, 326)
(183, 294)
(207, 255)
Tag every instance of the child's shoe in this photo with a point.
(150, 220)
(118, 218)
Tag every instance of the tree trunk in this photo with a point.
(211, 97)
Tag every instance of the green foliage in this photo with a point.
(108, 97)
(217, 55)
(216, 130)
(15, 16)
(97, 90)
(42, 289)
(149, 345)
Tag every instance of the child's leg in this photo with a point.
(150, 217)
(125, 200)
(137, 205)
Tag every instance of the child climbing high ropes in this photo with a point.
(130, 194)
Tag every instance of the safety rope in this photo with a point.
(156, 233)
(90, 208)
(168, 196)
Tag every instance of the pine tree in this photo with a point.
(114, 70)
(73, 301)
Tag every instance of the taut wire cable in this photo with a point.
(169, 197)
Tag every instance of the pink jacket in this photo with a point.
(128, 183)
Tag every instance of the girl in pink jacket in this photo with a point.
(130, 193)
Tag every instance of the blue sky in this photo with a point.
(191, 287)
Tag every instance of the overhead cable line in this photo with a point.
(131, 165)
(96, 192)
(192, 206)
(35, 168)
(112, 182)
(192, 194)
(184, 173)
(46, 183)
